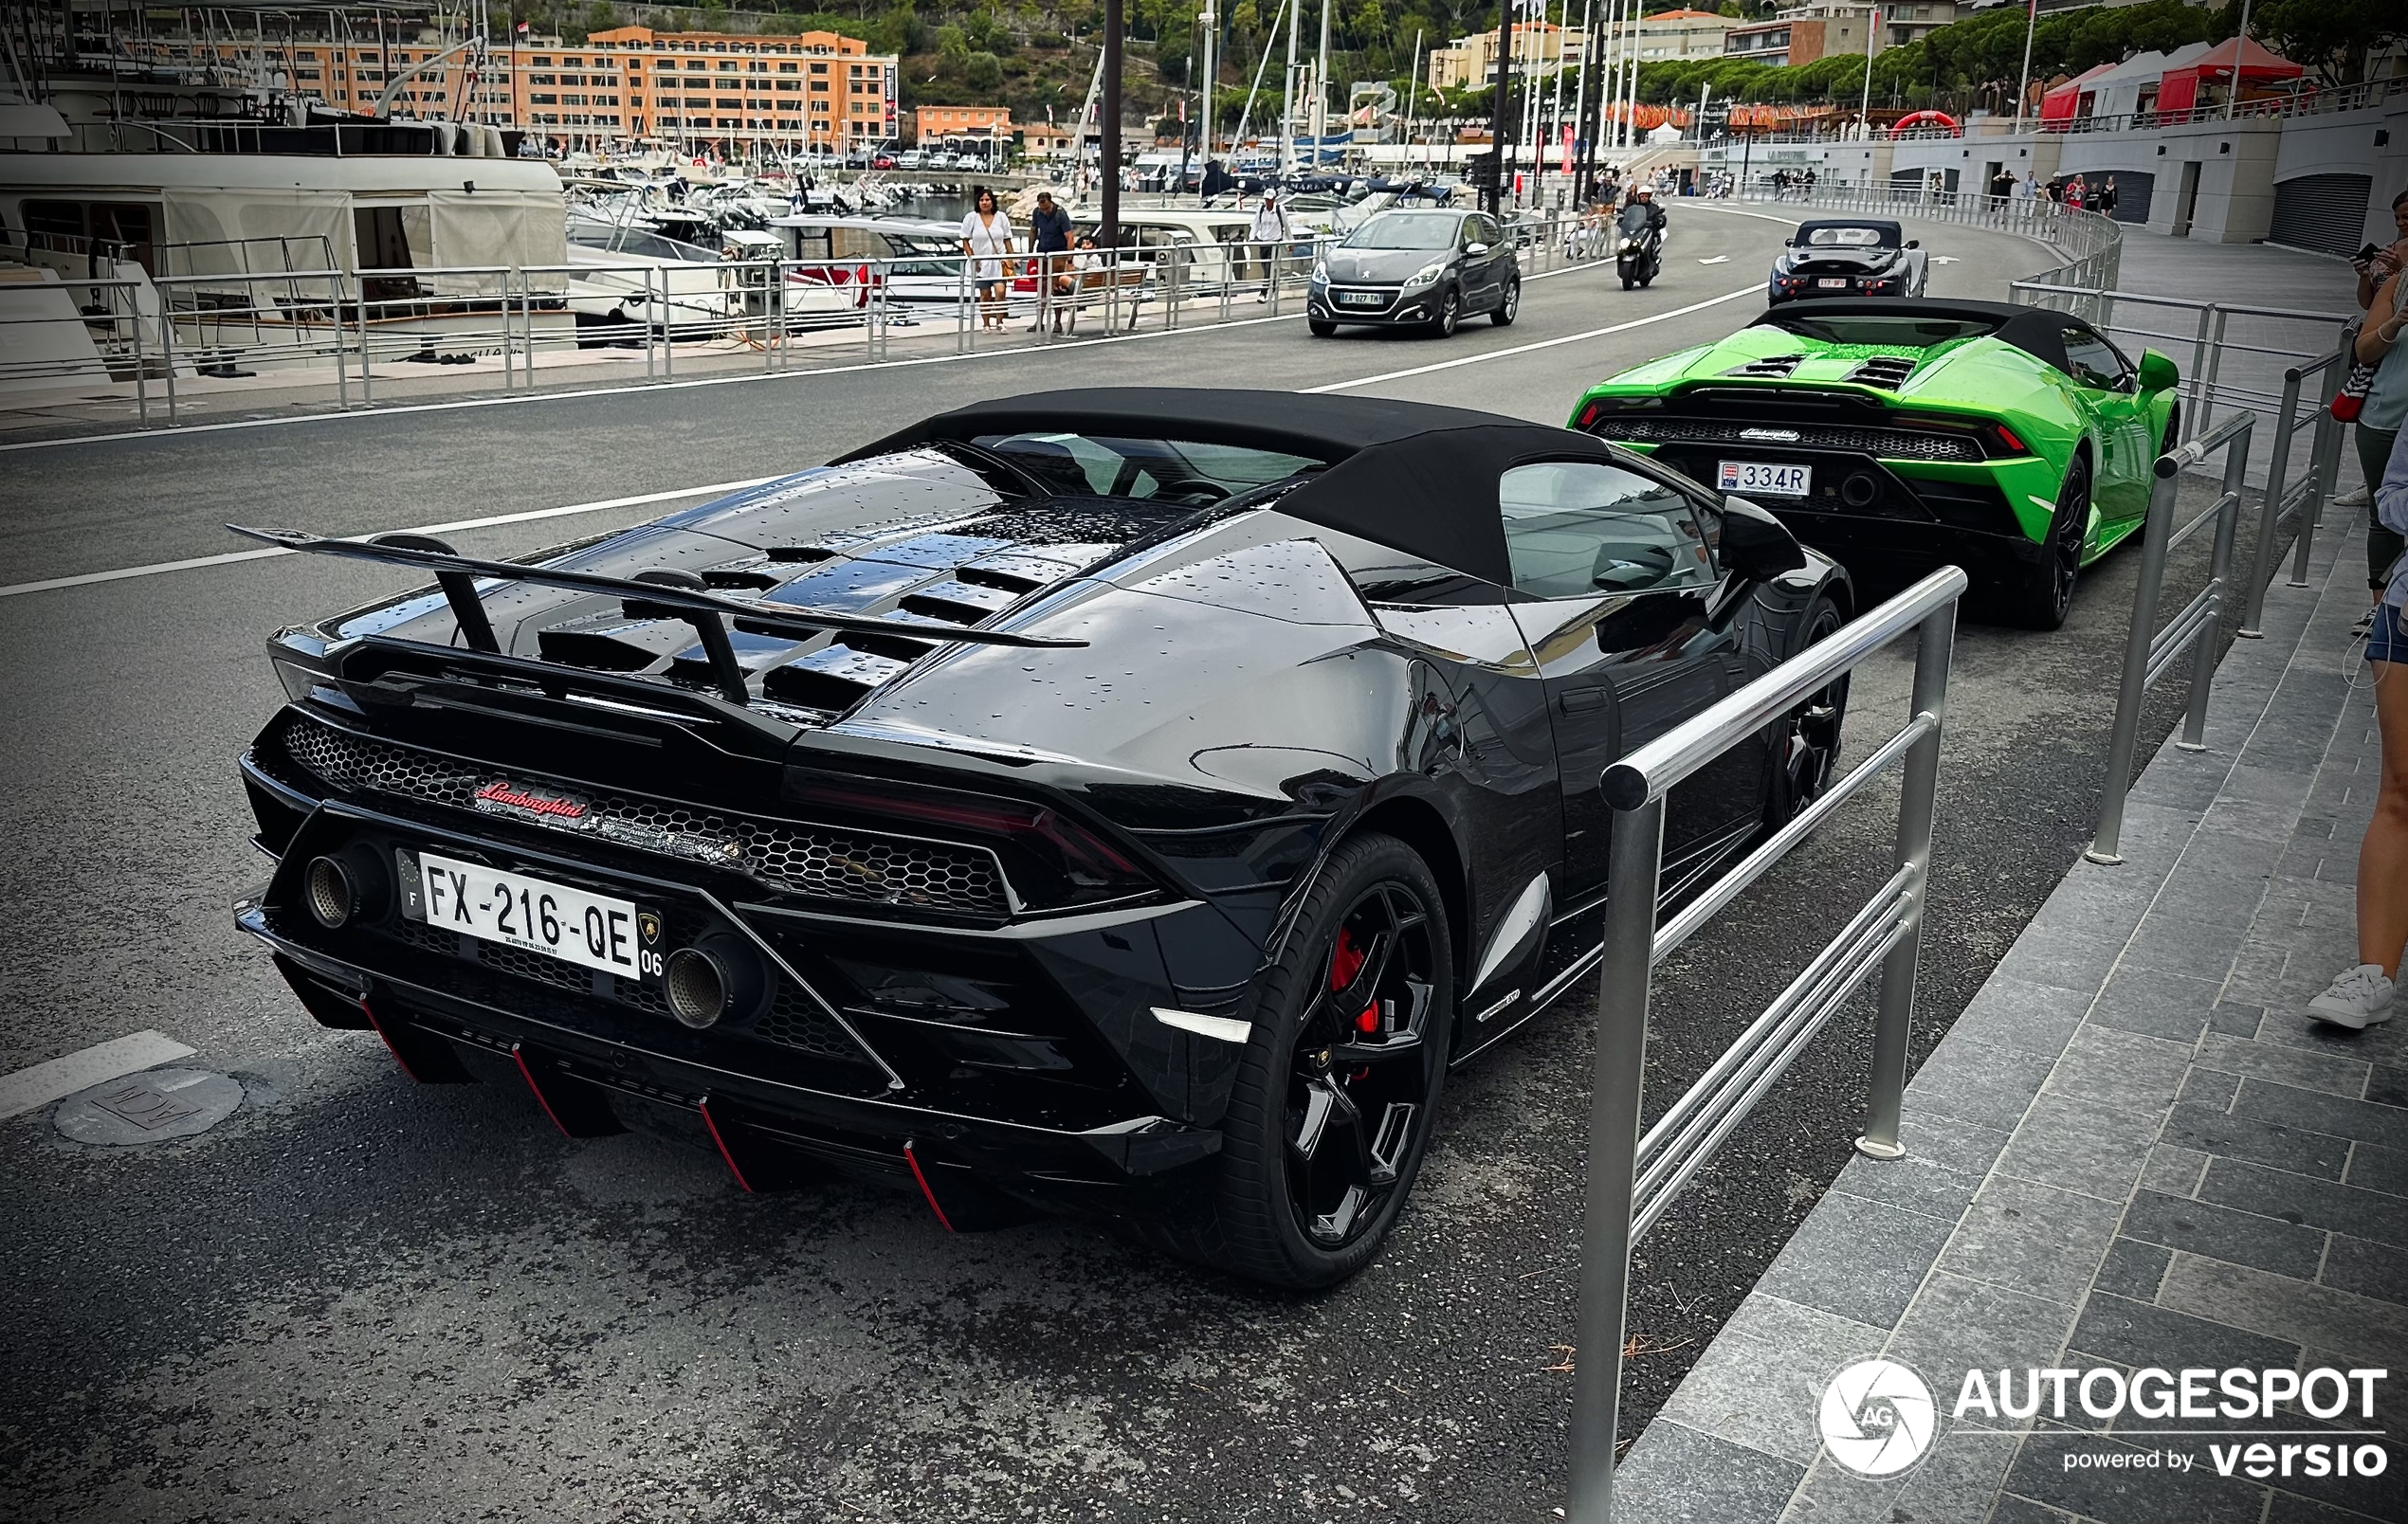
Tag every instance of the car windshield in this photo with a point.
(1174, 470)
(1406, 229)
(1918, 332)
(1844, 238)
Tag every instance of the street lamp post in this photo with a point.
(1110, 148)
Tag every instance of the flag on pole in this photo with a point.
(1567, 148)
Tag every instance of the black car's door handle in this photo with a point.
(1581, 701)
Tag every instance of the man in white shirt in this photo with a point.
(1269, 234)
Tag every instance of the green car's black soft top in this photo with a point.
(2036, 331)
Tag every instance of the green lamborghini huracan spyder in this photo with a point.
(1896, 435)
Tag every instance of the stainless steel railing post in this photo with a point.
(647, 321)
(141, 379)
(2219, 581)
(2261, 560)
(1634, 862)
(2207, 386)
(2198, 375)
(166, 350)
(2131, 691)
(2312, 506)
(1919, 795)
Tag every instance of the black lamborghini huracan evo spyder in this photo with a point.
(1128, 802)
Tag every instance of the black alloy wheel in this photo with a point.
(1449, 315)
(2042, 593)
(1337, 1091)
(1808, 747)
(1509, 307)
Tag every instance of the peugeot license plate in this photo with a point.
(1361, 298)
(537, 915)
(1766, 477)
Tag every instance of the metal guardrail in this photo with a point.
(2210, 339)
(1634, 1179)
(348, 331)
(2150, 652)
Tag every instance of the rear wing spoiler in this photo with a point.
(665, 592)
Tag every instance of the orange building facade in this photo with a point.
(933, 124)
(818, 90)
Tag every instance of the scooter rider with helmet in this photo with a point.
(1639, 233)
(1644, 195)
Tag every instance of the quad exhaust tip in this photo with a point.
(718, 976)
(341, 887)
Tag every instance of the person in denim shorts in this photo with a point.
(2362, 996)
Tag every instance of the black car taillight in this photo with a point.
(1050, 860)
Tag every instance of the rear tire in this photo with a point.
(1809, 741)
(1318, 1156)
(2042, 595)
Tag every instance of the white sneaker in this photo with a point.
(2357, 1000)
(2360, 498)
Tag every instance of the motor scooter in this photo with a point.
(1638, 248)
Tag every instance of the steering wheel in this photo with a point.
(1192, 489)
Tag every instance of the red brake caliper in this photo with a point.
(1344, 964)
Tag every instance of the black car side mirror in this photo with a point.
(1755, 544)
(1914, 243)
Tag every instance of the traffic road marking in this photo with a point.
(231, 557)
(1545, 343)
(57, 1078)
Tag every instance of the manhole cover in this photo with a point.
(150, 1107)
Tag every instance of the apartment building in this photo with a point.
(1804, 33)
(1471, 63)
(1677, 34)
(815, 90)
(935, 125)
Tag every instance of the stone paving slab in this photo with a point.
(2130, 1150)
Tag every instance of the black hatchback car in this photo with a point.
(1423, 268)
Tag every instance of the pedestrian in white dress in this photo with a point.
(986, 238)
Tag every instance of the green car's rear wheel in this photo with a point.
(2039, 595)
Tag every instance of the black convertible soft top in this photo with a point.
(2036, 331)
(1415, 476)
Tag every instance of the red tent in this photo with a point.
(2179, 88)
(2058, 104)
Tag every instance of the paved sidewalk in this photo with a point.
(2130, 1150)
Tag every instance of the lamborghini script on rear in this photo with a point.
(1046, 806)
